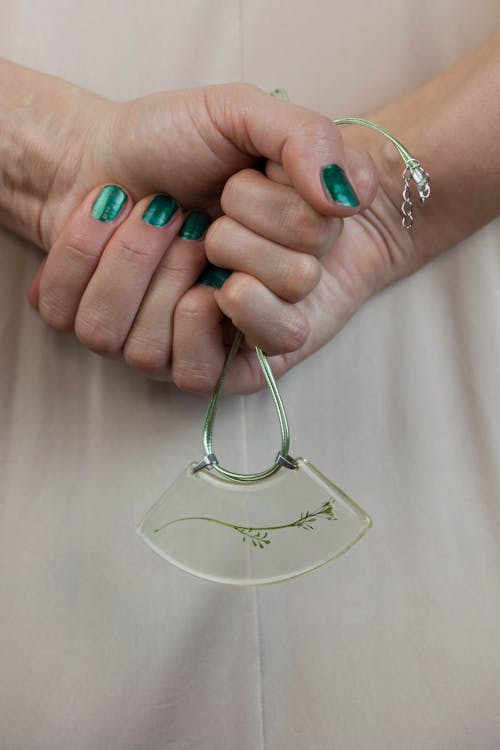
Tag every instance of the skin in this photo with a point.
(300, 270)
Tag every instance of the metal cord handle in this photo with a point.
(282, 459)
(412, 170)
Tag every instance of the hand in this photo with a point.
(148, 309)
(186, 144)
(118, 283)
(372, 251)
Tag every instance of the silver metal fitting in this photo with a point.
(286, 461)
(208, 462)
(421, 179)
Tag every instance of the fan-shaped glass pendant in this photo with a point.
(254, 532)
(252, 528)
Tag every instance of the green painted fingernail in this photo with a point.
(338, 186)
(109, 203)
(214, 276)
(195, 225)
(160, 210)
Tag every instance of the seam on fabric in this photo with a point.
(241, 40)
(260, 689)
(259, 656)
(258, 640)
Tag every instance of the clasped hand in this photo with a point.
(275, 184)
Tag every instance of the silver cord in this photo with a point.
(412, 171)
(282, 459)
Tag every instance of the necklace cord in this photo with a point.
(210, 460)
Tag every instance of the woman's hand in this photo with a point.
(58, 142)
(372, 251)
(121, 281)
(187, 144)
(122, 276)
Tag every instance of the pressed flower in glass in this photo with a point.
(255, 532)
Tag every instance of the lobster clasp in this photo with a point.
(421, 179)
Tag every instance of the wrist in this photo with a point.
(42, 131)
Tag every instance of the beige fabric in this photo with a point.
(103, 645)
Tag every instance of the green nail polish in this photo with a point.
(195, 225)
(109, 203)
(160, 210)
(214, 276)
(338, 186)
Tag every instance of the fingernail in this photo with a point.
(109, 203)
(213, 276)
(195, 225)
(160, 210)
(338, 186)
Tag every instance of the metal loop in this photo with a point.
(282, 459)
(286, 461)
(206, 463)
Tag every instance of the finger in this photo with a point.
(246, 376)
(275, 326)
(115, 292)
(148, 344)
(277, 212)
(198, 351)
(290, 275)
(74, 256)
(363, 172)
(306, 143)
(360, 167)
(276, 173)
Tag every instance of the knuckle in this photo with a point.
(235, 185)
(93, 333)
(145, 354)
(78, 250)
(308, 229)
(177, 267)
(54, 312)
(217, 237)
(192, 377)
(299, 278)
(292, 336)
(319, 128)
(134, 254)
(176, 274)
(189, 309)
(233, 294)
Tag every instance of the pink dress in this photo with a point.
(394, 646)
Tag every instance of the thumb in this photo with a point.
(306, 143)
(360, 169)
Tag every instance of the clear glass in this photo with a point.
(253, 533)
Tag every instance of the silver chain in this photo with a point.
(407, 205)
(413, 171)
